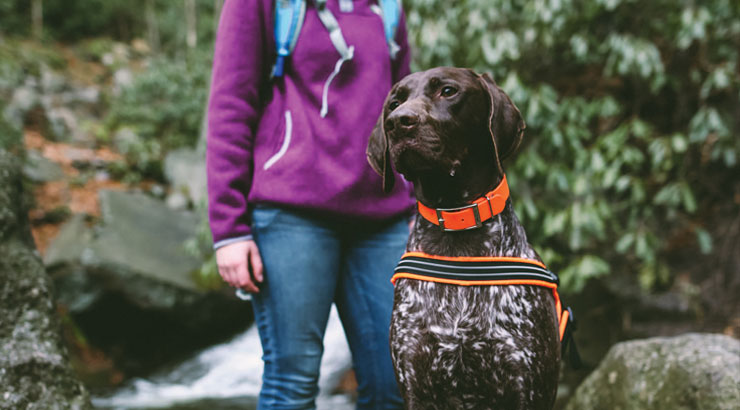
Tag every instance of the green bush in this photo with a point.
(120, 20)
(631, 111)
(163, 107)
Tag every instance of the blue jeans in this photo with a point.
(311, 262)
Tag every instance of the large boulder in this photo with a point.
(691, 371)
(132, 288)
(34, 369)
(185, 169)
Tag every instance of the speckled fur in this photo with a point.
(474, 347)
(463, 347)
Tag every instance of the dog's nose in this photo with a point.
(404, 119)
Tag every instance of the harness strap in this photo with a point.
(492, 271)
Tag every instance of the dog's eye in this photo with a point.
(393, 105)
(448, 91)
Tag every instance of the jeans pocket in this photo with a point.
(263, 216)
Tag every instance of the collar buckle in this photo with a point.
(476, 215)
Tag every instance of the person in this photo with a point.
(298, 217)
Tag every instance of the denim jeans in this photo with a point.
(311, 262)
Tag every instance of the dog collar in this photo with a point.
(469, 216)
(491, 271)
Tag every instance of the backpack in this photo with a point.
(289, 16)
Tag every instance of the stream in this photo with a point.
(228, 376)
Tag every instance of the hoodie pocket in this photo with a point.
(286, 142)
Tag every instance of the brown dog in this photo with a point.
(463, 347)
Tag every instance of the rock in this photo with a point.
(122, 78)
(73, 237)
(140, 235)
(24, 99)
(63, 124)
(34, 369)
(132, 266)
(177, 201)
(185, 169)
(50, 81)
(691, 371)
(38, 168)
(10, 132)
(127, 141)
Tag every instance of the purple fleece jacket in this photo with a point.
(267, 142)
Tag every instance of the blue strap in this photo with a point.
(288, 20)
(391, 13)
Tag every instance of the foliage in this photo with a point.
(631, 111)
(121, 20)
(200, 247)
(163, 107)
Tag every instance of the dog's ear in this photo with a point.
(379, 155)
(506, 124)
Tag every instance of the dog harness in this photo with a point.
(491, 271)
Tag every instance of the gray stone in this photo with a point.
(67, 247)
(127, 140)
(23, 100)
(132, 265)
(140, 234)
(34, 369)
(63, 123)
(122, 78)
(38, 168)
(691, 371)
(185, 169)
(51, 82)
(177, 200)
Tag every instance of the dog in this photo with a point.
(448, 130)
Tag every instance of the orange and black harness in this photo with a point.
(485, 270)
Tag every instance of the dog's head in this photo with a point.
(434, 121)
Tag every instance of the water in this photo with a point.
(228, 376)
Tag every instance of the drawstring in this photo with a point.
(337, 67)
(337, 39)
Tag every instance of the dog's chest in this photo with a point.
(457, 332)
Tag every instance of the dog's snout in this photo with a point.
(402, 118)
(408, 120)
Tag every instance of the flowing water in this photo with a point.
(228, 376)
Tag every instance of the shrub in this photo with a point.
(631, 110)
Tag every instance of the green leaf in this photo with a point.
(704, 239)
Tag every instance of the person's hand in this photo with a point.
(240, 265)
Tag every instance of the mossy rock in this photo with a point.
(691, 371)
(34, 368)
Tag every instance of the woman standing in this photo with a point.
(298, 217)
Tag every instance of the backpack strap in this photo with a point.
(288, 22)
(337, 38)
(332, 26)
(390, 12)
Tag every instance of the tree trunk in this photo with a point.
(37, 18)
(152, 28)
(190, 22)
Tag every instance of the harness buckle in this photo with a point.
(476, 215)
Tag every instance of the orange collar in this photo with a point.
(469, 216)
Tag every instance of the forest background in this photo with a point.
(627, 180)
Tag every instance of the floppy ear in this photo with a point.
(506, 124)
(379, 155)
